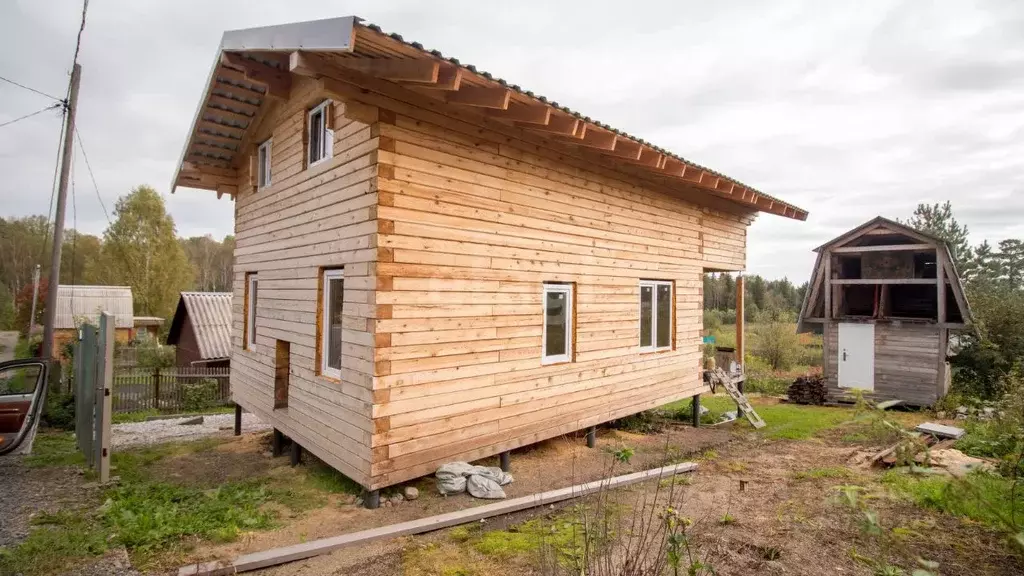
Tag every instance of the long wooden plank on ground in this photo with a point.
(295, 552)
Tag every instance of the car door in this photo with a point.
(22, 394)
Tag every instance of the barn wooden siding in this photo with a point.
(448, 226)
(308, 219)
(907, 363)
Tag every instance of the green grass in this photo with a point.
(54, 449)
(785, 421)
(56, 543)
(981, 496)
(141, 415)
(323, 477)
(819, 473)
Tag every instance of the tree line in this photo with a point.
(777, 298)
(140, 248)
(991, 353)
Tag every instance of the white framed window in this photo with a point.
(655, 315)
(557, 332)
(321, 138)
(332, 294)
(251, 284)
(263, 165)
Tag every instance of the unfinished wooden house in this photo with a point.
(435, 265)
(886, 297)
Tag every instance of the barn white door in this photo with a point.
(857, 356)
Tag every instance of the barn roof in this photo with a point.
(76, 303)
(255, 65)
(210, 314)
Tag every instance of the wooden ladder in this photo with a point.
(725, 380)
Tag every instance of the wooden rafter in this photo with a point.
(221, 129)
(219, 114)
(232, 104)
(222, 87)
(651, 158)
(538, 114)
(448, 78)
(203, 159)
(600, 139)
(558, 124)
(628, 149)
(395, 69)
(208, 150)
(494, 97)
(277, 80)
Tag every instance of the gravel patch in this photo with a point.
(25, 492)
(157, 431)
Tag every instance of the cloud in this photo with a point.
(849, 111)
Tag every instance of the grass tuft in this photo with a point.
(819, 473)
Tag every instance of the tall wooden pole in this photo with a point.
(741, 347)
(53, 280)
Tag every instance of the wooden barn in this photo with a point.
(435, 265)
(886, 297)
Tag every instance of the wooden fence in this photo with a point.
(171, 389)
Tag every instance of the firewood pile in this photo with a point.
(808, 389)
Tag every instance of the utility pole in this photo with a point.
(50, 313)
(35, 298)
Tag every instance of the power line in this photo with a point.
(53, 186)
(81, 146)
(40, 92)
(26, 116)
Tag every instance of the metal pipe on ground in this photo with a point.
(277, 556)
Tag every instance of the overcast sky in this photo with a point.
(848, 110)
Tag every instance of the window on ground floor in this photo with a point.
(332, 296)
(557, 333)
(656, 305)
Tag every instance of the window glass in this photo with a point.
(664, 315)
(263, 165)
(557, 333)
(646, 317)
(250, 320)
(336, 294)
(556, 318)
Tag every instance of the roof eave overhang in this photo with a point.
(493, 97)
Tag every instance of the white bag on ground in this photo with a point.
(480, 486)
(482, 481)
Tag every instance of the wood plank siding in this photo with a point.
(309, 218)
(907, 363)
(447, 226)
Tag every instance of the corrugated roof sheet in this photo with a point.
(76, 303)
(210, 313)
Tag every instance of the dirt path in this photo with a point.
(8, 341)
(28, 492)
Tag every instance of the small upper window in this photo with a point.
(251, 283)
(263, 165)
(557, 332)
(321, 138)
(655, 315)
(333, 297)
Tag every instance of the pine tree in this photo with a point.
(938, 220)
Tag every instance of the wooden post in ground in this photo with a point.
(296, 453)
(156, 389)
(591, 436)
(505, 458)
(277, 444)
(741, 321)
(695, 408)
(238, 420)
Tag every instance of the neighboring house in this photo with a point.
(887, 297)
(149, 325)
(433, 265)
(201, 329)
(77, 304)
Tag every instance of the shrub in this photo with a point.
(151, 354)
(712, 319)
(778, 344)
(59, 411)
(199, 395)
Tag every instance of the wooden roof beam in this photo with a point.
(557, 124)
(203, 159)
(449, 77)
(394, 69)
(212, 151)
(221, 86)
(628, 149)
(494, 97)
(673, 167)
(278, 81)
(535, 114)
(651, 158)
(600, 139)
(213, 113)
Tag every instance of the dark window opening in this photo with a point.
(858, 300)
(282, 370)
(924, 266)
(849, 267)
(913, 301)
